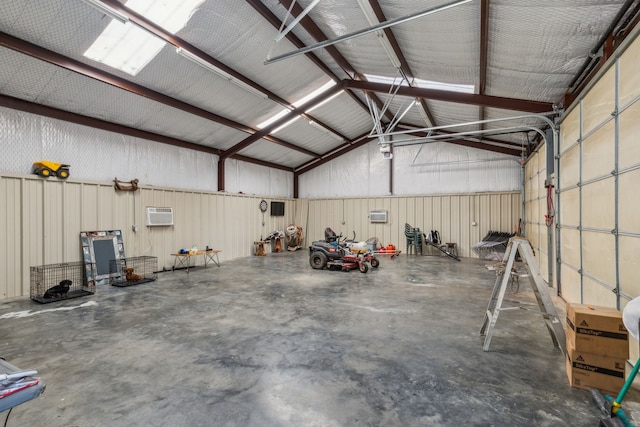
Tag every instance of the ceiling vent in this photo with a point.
(378, 216)
(159, 217)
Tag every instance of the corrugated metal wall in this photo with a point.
(451, 215)
(40, 223)
(41, 220)
(433, 168)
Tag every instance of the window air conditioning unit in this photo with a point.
(159, 216)
(378, 215)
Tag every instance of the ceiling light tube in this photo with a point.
(325, 130)
(201, 62)
(249, 88)
(423, 114)
(373, 20)
(325, 101)
(210, 67)
(395, 61)
(107, 10)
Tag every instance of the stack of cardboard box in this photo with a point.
(597, 348)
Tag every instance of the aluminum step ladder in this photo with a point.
(540, 290)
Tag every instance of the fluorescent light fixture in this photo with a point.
(249, 88)
(423, 113)
(382, 37)
(201, 62)
(298, 103)
(325, 101)
(228, 77)
(384, 41)
(107, 10)
(279, 128)
(272, 119)
(322, 89)
(325, 130)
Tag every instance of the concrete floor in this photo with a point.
(267, 341)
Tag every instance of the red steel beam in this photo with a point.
(524, 105)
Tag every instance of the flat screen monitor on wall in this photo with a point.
(277, 208)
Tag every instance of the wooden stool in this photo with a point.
(260, 251)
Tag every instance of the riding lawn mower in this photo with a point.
(337, 254)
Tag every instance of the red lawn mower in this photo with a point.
(334, 254)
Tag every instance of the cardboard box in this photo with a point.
(597, 330)
(588, 371)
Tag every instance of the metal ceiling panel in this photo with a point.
(344, 115)
(33, 80)
(235, 34)
(447, 113)
(442, 47)
(308, 136)
(274, 153)
(281, 13)
(68, 27)
(365, 53)
(197, 86)
(438, 47)
(536, 48)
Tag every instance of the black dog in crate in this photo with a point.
(58, 291)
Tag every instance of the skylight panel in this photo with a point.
(129, 48)
(125, 47)
(169, 14)
(424, 84)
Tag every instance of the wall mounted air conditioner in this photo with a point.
(379, 215)
(159, 216)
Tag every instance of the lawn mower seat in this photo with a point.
(329, 235)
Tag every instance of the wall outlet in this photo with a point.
(134, 228)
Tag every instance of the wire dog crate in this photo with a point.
(55, 282)
(133, 271)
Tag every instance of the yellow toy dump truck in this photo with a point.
(46, 169)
